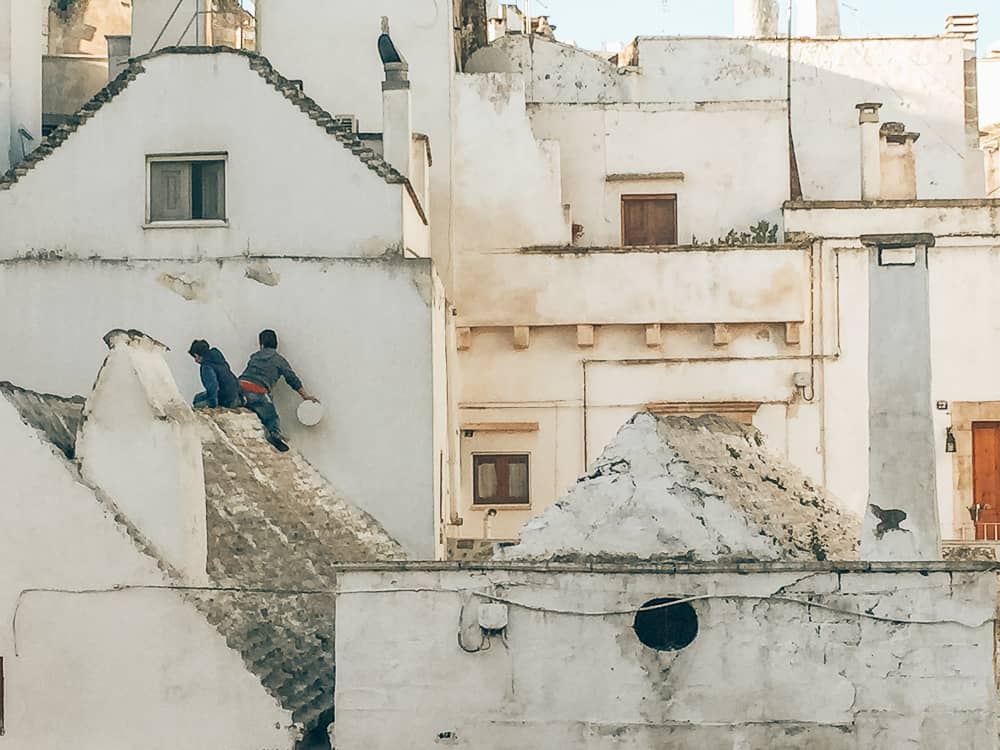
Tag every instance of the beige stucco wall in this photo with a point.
(70, 80)
(136, 668)
(81, 28)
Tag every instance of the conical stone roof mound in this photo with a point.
(705, 489)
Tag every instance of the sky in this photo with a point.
(590, 23)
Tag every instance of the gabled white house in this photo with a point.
(203, 195)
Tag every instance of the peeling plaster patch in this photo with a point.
(263, 274)
(189, 290)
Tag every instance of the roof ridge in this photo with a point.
(257, 63)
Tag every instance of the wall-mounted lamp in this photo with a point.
(950, 446)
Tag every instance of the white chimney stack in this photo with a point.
(756, 18)
(397, 116)
(871, 151)
(819, 18)
(140, 444)
(899, 167)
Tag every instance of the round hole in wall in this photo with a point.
(666, 626)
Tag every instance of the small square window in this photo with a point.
(192, 189)
(649, 220)
(500, 479)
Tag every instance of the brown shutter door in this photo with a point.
(649, 220)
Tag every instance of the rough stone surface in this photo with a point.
(275, 525)
(55, 416)
(693, 489)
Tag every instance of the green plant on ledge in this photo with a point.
(761, 233)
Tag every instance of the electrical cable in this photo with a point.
(486, 644)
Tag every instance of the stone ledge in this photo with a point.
(671, 568)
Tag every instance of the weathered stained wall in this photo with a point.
(341, 69)
(833, 679)
(568, 287)
(70, 81)
(683, 148)
(177, 101)
(80, 28)
(507, 184)
(157, 675)
(916, 79)
(358, 332)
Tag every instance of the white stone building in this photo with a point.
(284, 218)
(167, 576)
(600, 235)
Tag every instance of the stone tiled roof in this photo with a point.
(55, 416)
(276, 532)
(274, 524)
(706, 489)
(339, 128)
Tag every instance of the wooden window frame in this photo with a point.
(498, 502)
(672, 197)
(151, 159)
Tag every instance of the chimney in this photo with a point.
(139, 444)
(819, 18)
(20, 80)
(871, 151)
(397, 118)
(756, 18)
(901, 522)
(119, 52)
(898, 167)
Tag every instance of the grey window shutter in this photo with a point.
(213, 190)
(169, 191)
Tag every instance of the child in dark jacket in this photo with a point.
(265, 368)
(221, 386)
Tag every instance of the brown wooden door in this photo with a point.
(649, 220)
(986, 478)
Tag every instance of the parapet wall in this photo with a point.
(839, 656)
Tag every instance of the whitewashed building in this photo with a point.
(600, 234)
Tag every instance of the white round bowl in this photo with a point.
(310, 413)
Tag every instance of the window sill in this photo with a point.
(190, 224)
(501, 506)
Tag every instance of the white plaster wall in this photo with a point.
(292, 189)
(21, 50)
(507, 189)
(832, 680)
(919, 81)
(358, 332)
(150, 17)
(139, 443)
(989, 90)
(127, 669)
(688, 285)
(964, 269)
(697, 141)
(332, 48)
